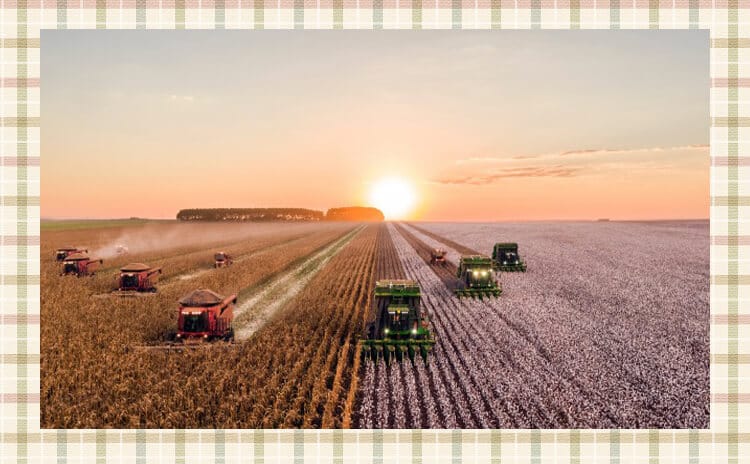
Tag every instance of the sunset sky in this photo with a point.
(475, 125)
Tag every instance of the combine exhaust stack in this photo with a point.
(477, 277)
(400, 329)
(505, 258)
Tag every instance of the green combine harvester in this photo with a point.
(400, 328)
(477, 277)
(505, 258)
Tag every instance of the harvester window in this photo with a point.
(129, 281)
(194, 322)
(61, 255)
(70, 267)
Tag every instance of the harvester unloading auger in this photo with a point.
(401, 328)
(505, 258)
(477, 277)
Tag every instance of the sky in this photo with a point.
(480, 125)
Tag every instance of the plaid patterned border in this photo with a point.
(726, 441)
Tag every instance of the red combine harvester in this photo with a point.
(205, 316)
(62, 253)
(222, 259)
(80, 265)
(137, 278)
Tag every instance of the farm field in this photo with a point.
(608, 328)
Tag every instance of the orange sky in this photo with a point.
(485, 126)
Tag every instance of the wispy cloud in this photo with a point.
(580, 153)
(497, 175)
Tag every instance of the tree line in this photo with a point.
(349, 213)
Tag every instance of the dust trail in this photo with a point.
(255, 312)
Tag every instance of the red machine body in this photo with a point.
(437, 256)
(222, 259)
(62, 253)
(138, 277)
(204, 316)
(80, 265)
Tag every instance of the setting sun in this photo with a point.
(395, 197)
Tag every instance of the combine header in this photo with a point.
(477, 277)
(137, 278)
(437, 256)
(222, 259)
(400, 328)
(80, 265)
(62, 253)
(505, 258)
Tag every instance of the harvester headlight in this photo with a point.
(484, 273)
(385, 331)
(505, 262)
(179, 335)
(414, 331)
(205, 336)
(476, 273)
(516, 261)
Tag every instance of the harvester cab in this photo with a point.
(477, 277)
(205, 315)
(138, 277)
(400, 328)
(62, 253)
(437, 256)
(80, 265)
(221, 259)
(505, 258)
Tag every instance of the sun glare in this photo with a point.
(395, 197)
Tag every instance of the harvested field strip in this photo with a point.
(461, 249)
(239, 254)
(446, 273)
(299, 385)
(261, 303)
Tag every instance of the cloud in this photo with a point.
(579, 153)
(529, 171)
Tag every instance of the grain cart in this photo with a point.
(505, 258)
(62, 253)
(80, 265)
(205, 315)
(477, 277)
(222, 259)
(400, 327)
(138, 278)
(437, 256)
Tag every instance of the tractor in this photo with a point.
(62, 253)
(138, 278)
(222, 259)
(204, 315)
(437, 256)
(477, 277)
(80, 265)
(400, 327)
(505, 258)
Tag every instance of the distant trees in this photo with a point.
(250, 214)
(349, 213)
